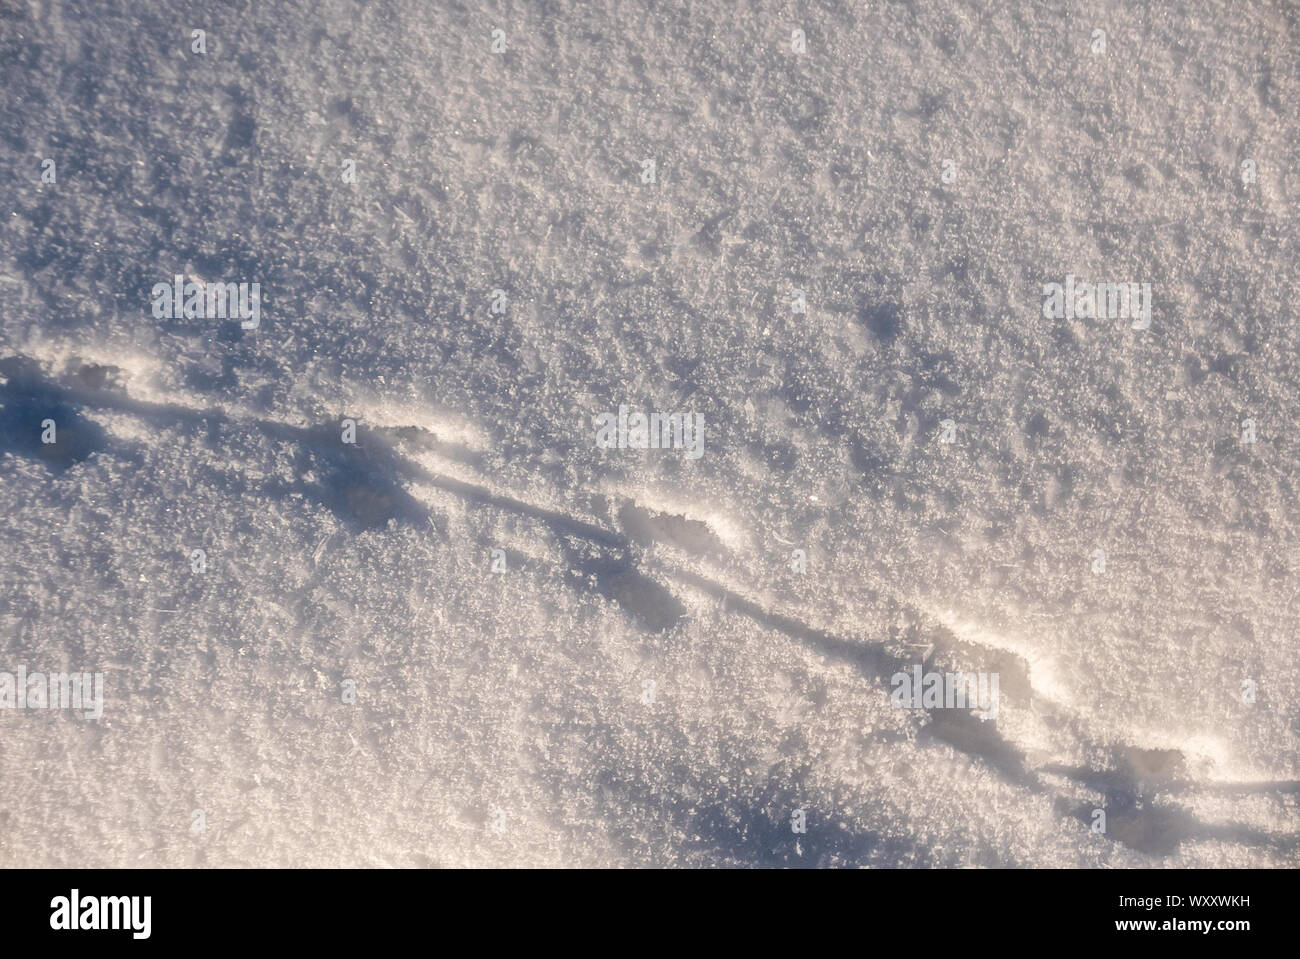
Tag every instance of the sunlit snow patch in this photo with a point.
(1042, 676)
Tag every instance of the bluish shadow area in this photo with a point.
(1132, 790)
(734, 827)
(613, 574)
(342, 478)
(883, 320)
(27, 405)
(760, 834)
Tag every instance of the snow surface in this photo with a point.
(499, 716)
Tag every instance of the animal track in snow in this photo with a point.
(368, 488)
